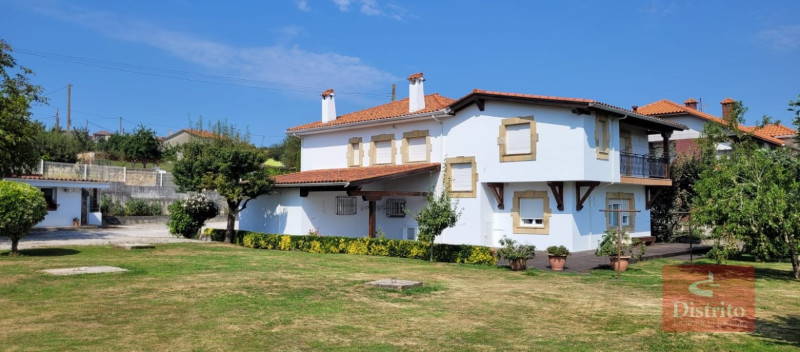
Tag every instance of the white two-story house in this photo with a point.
(538, 169)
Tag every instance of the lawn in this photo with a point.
(198, 297)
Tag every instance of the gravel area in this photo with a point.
(138, 233)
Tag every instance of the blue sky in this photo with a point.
(263, 64)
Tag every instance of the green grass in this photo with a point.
(202, 297)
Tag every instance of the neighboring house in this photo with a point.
(686, 142)
(101, 135)
(67, 199)
(538, 169)
(184, 136)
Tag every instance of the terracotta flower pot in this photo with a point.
(620, 264)
(557, 262)
(75, 224)
(518, 264)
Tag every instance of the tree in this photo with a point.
(794, 106)
(752, 197)
(671, 206)
(61, 146)
(437, 215)
(18, 148)
(228, 164)
(142, 146)
(21, 207)
(287, 151)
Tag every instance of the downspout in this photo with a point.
(441, 142)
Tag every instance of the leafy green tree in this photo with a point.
(751, 197)
(142, 146)
(18, 134)
(228, 164)
(58, 145)
(21, 207)
(437, 215)
(794, 106)
(114, 147)
(287, 152)
(671, 206)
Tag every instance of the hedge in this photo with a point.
(447, 253)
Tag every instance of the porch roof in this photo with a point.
(43, 181)
(352, 176)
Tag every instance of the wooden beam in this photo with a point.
(558, 193)
(650, 195)
(497, 191)
(480, 103)
(645, 181)
(371, 194)
(579, 200)
(372, 210)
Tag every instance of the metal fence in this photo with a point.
(105, 173)
(638, 165)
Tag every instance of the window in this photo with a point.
(50, 198)
(530, 212)
(601, 137)
(411, 233)
(416, 147)
(518, 139)
(619, 200)
(461, 177)
(346, 205)
(625, 144)
(395, 207)
(355, 152)
(382, 150)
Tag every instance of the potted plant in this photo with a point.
(557, 256)
(76, 221)
(516, 254)
(627, 248)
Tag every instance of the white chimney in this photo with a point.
(416, 95)
(328, 106)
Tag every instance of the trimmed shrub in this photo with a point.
(186, 218)
(362, 246)
(21, 207)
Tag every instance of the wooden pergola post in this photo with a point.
(619, 233)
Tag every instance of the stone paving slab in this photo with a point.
(84, 270)
(130, 246)
(394, 284)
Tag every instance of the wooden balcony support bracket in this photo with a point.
(558, 193)
(497, 191)
(650, 195)
(579, 200)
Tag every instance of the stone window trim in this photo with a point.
(515, 218)
(355, 141)
(602, 136)
(448, 176)
(501, 140)
(631, 206)
(373, 156)
(416, 134)
(628, 147)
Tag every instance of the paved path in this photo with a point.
(139, 233)
(584, 261)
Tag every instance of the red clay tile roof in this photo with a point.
(727, 101)
(415, 76)
(690, 101)
(355, 174)
(201, 134)
(327, 92)
(433, 102)
(776, 130)
(667, 107)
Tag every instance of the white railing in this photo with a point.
(90, 172)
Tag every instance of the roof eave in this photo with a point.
(673, 126)
(345, 126)
(311, 184)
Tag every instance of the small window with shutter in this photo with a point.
(416, 147)
(531, 212)
(517, 140)
(382, 149)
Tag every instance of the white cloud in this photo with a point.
(783, 38)
(285, 64)
(373, 8)
(302, 5)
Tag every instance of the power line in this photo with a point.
(187, 75)
(56, 91)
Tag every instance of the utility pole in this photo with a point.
(58, 126)
(120, 126)
(394, 91)
(69, 106)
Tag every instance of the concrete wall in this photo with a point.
(69, 206)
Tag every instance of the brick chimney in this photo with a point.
(690, 103)
(416, 93)
(328, 106)
(727, 108)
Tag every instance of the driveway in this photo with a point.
(138, 233)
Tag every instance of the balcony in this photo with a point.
(639, 166)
